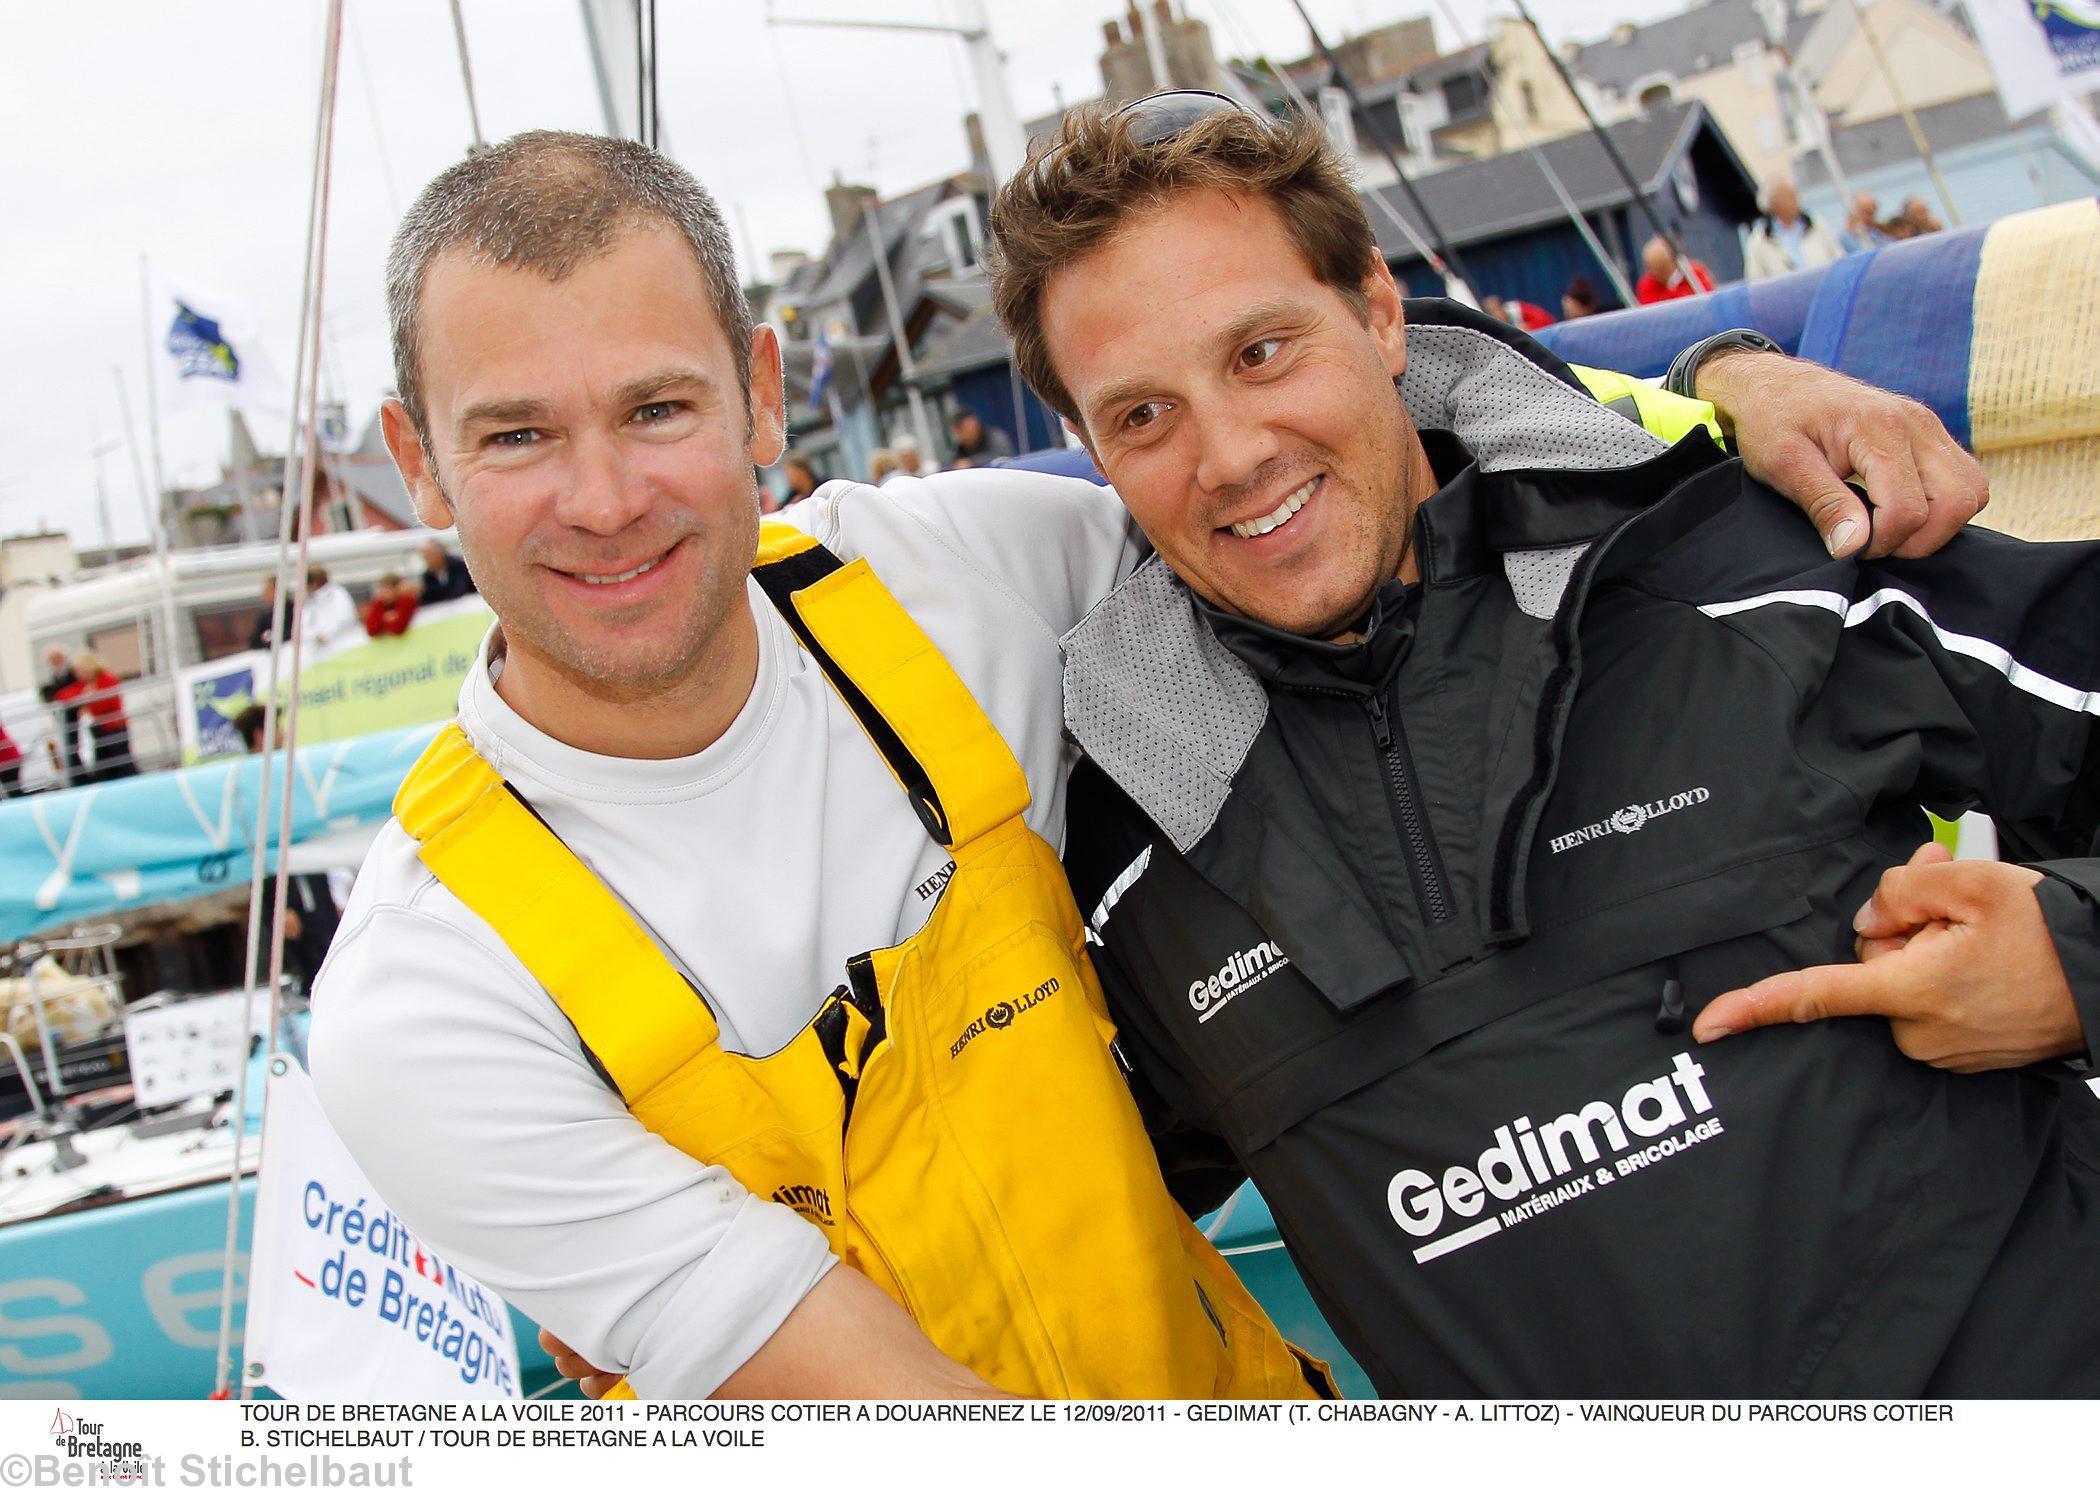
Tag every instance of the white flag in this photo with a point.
(343, 1300)
(2042, 54)
(206, 350)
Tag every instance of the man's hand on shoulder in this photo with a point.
(1805, 431)
(1957, 957)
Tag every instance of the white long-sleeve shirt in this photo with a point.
(761, 864)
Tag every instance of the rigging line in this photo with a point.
(371, 91)
(1612, 271)
(1910, 118)
(641, 80)
(810, 177)
(466, 72)
(1449, 251)
(294, 497)
(1640, 193)
(656, 118)
(1290, 85)
(1297, 96)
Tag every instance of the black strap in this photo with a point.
(781, 580)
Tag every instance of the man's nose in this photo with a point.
(607, 490)
(1233, 443)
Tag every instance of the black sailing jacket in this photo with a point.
(1413, 931)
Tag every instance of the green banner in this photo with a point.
(373, 684)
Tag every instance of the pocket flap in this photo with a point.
(1392, 1033)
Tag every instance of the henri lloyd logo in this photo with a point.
(1631, 818)
(1208, 995)
(1001, 1015)
(1530, 1170)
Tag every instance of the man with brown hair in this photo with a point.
(1465, 742)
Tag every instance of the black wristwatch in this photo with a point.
(1683, 375)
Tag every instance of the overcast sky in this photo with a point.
(185, 132)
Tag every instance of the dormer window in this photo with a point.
(954, 225)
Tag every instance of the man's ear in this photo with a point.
(1384, 315)
(768, 417)
(418, 473)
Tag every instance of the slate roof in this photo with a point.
(1880, 142)
(378, 482)
(978, 341)
(853, 362)
(850, 263)
(1508, 193)
(1682, 45)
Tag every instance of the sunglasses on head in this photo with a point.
(1155, 119)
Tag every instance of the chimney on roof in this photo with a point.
(1111, 33)
(1126, 61)
(1623, 32)
(845, 201)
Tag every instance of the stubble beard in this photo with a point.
(616, 670)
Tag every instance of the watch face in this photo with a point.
(1686, 184)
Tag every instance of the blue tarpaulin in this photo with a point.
(100, 850)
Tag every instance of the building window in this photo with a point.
(1463, 93)
(953, 224)
(1530, 95)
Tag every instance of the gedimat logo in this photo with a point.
(1530, 1169)
(1242, 970)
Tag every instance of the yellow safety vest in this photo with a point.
(954, 1117)
(1667, 416)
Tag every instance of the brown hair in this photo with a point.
(1085, 182)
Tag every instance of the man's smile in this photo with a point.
(604, 583)
(1267, 530)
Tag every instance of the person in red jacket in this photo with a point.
(392, 607)
(10, 765)
(1669, 277)
(1522, 314)
(93, 691)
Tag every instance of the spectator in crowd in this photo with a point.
(444, 577)
(1578, 299)
(10, 765)
(94, 692)
(881, 465)
(392, 607)
(329, 611)
(1786, 238)
(1667, 277)
(910, 460)
(1917, 218)
(259, 637)
(310, 913)
(802, 479)
(976, 442)
(1522, 314)
(64, 740)
(1863, 226)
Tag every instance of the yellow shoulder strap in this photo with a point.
(961, 777)
(636, 1015)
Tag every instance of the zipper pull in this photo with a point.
(1381, 726)
(1669, 1018)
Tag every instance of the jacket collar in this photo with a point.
(1169, 712)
